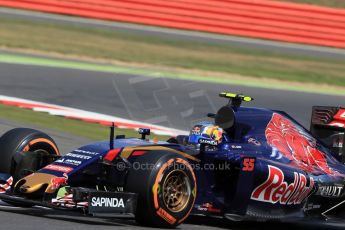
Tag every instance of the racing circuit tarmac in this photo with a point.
(162, 101)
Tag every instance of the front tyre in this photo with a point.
(24, 140)
(166, 188)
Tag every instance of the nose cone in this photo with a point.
(34, 183)
(30, 189)
(24, 188)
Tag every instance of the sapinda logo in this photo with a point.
(208, 141)
(276, 190)
(107, 202)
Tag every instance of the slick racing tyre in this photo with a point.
(14, 144)
(166, 188)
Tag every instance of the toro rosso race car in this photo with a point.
(242, 164)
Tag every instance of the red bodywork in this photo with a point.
(57, 182)
(296, 145)
(339, 119)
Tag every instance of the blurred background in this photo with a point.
(162, 64)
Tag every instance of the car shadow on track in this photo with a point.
(193, 222)
(69, 216)
(311, 224)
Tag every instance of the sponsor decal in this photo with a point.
(69, 161)
(166, 216)
(208, 207)
(254, 141)
(73, 162)
(58, 168)
(107, 202)
(296, 144)
(311, 207)
(236, 147)
(276, 190)
(86, 152)
(57, 182)
(111, 202)
(330, 190)
(208, 141)
(78, 156)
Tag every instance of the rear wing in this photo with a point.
(328, 125)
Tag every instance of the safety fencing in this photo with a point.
(265, 19)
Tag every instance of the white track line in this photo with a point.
(87, 116)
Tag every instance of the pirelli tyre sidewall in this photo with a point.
(170, 174)
(23, 140)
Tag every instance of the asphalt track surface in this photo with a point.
(169, 102)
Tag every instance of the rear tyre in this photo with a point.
(18, 141)
(166, 188)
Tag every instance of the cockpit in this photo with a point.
(220, 129)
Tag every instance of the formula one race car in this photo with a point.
(241, 164)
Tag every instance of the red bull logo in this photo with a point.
(57, 182)
(296, 145)
(276, 190)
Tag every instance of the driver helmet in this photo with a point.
(205, 130)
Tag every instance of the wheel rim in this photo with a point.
(176, 191)
(32, 166)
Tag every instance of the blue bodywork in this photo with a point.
(229, 174)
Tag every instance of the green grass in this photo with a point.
(150, 50)
(75, 127)
(330, 3)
